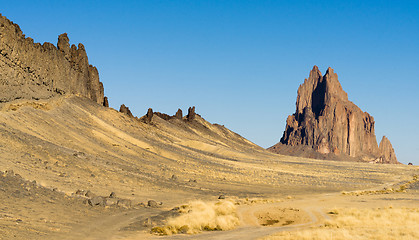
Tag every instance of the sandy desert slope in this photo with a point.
(70, 143)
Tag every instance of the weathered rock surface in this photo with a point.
(330, 124)
(30, 70)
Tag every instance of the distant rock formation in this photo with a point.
(30, 70)
(105, 102)
(179, 114)
(387, 152)
(124, 109)
(191, 114)
(330, 124)
(149, 116)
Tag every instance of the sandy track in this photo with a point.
(313, 206)
(106, 227)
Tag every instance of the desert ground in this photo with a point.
(206, 182)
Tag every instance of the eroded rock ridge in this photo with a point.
(30, 70)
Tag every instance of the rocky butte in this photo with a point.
(30, 70)
(327, 125)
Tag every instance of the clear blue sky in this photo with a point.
(240, 62)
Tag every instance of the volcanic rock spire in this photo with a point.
(329, 123)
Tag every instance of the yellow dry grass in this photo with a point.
(349, 223)
(201, 216)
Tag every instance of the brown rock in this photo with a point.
(326, 121)
(387, 152)
(125, 109)
(30, 70)
(191, 114)
(149, 115)
(163, 116)
(178, 114)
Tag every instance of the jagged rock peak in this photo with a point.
(328, 122)
(387, 151)
(124, 109)
(178, 114)
(149, 115)
(191, 114)
(30, 70)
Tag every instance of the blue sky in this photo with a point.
(240, 62)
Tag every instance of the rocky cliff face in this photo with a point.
(30, 70)
(328, 122)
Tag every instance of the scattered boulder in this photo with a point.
(109, 201)
(173, 178)
(80, 192)
(410, 164)
(124, 203)
(222, 196)
(89, 194)
(124, 109)
(96, 201)
(152, 204)
(112, 195)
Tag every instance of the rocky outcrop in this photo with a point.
(30, 70)
(148, 117)
(163, 116)
(191, 114)
(105, 102)
(326, 121)
(124, 109)
(387, 152)
(178, 114)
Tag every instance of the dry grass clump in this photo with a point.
(378, 223)
(201, 216)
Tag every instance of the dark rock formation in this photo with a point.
(125, 109)
(163, 115)
(179, 114)
(191, 114)
(30, 70)
(105, 102)
(327, 122)
(387, 152)
(148, 117)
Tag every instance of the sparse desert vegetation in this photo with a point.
(72, 167)
(200, 216)
(367, 223)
